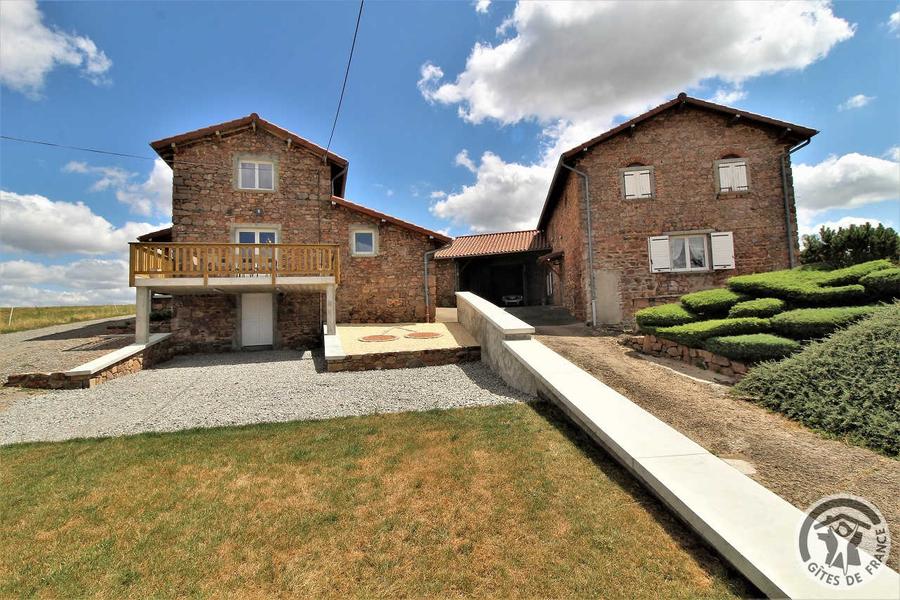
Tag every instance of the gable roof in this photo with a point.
(164, 147)
(488, 244)
(380, 215)
(791, 131)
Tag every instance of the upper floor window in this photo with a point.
(256, 175)
(638, 182)
(364, 242)
(731, 175)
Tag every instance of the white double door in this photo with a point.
(256, 319)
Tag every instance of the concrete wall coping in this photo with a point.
(496, 316)
(334, 350)
(752, 527)
(107, 360)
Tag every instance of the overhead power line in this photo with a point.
(346, 76)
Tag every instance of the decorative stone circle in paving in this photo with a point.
(378, 338)
(423, 335)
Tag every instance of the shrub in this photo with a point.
(883, 284)
(693, 334)
(711, 302)
(807, 323)
(798, 287)
(853, 274)
(752, 347)
(851, 245)
(664, 315)
(845, 385)
(761, 307)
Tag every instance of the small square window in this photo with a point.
(637, 182)
(256, 175)
(364, 243)
(731, 175)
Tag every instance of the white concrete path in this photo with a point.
(750, 526)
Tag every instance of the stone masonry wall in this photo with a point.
(681, 146)
(566, 232)
(445, 275)
(405, 360)
(650, 344)
(207, 203)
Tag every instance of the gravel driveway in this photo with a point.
(236, 389)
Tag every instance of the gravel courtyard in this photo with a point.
(243, 388)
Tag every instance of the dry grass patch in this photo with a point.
(499, 501)
(25, 317)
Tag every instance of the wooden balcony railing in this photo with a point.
(160, 260)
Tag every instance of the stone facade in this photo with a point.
(650, 344)
(207, 205)
(681, 145)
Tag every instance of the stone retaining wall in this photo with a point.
(405, 360)
(650, 344)
(60, 380)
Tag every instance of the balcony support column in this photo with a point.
(330, 310)
(142, 318)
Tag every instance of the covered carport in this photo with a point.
(500, 267)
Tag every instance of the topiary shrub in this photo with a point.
(752, 347)
(845, 385)
(810, 323)
(664, 315)
(853, 274)
(711, 302)
(797, 287)
(883, 284)
(693, 334)
(761, 307)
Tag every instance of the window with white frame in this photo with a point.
(256, 175)
(731, 175)
(637, 182)
(364, 242)
(691, 252)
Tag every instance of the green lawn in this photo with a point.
(499, 501)
(24, 317)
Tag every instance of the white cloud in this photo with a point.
(153, 196)
(575, 67)
(29, 50)
(85, 281)
(437, 195)
(728, 96)
(34, 223)
(482, 6)
(19, 295)
(846, 181)
(809, 228)
(894, 22)
(504, 196)
(463, 160)
(857, 101)
(893, 153)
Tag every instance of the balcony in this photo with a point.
(191, 267)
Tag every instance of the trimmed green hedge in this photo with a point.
(853, 273)
(752, 347)
(845, 385)
(884, 283)
(760, 307)
(693, 334)
(664, 315)
(808, 323)
(714, 302)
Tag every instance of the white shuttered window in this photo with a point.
(731, 175)
(637, 182)
(688, 253)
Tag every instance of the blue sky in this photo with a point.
(454, 113)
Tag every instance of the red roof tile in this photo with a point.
(488, 244)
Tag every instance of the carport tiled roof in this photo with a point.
(488, 244)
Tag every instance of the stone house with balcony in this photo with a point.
(264, 249)
(673, 201)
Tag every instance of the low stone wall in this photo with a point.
(61, 380)
(655, 346)
(405, 360)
